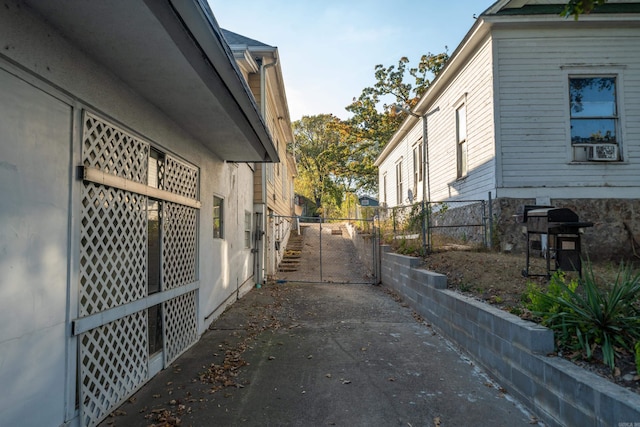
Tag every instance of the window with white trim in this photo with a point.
(417, 166)
(399, 184)
(461, 141)
(594, 118)
(384, 189)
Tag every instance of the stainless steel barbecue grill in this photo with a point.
(553, 233)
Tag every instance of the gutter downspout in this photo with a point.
(263, 110)
(426, 184)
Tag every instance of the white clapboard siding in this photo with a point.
(532, 78)
(473, 83)
(402, 152)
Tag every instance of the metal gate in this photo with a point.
(342, 250)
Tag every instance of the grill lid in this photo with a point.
(554, 214)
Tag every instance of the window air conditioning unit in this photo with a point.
(603, 152)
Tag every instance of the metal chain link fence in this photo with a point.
(331, 251)
(434, 226)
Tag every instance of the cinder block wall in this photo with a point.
(364, 246)
(512, 350)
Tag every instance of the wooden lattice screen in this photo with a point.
(113, 357)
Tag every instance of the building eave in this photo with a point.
(173, 54)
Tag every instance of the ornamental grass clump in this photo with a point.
(586, 315)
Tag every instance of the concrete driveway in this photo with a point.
(316, 355)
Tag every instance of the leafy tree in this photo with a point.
(319, 153)
(576, 8)
(374, 120)
(336, 157)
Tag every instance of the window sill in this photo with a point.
(593, 162)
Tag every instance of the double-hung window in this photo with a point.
(384, 189)
(461, 141)
(417, 166)
(594, 118)
(399, 186)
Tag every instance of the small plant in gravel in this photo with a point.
(591, 316)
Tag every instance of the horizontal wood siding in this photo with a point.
(404, 151)
(474, 80)
(532, 69)
(254, 84)
(474, 84)
(278, 194)
(257, 183)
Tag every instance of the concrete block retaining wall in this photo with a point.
(512, 350)
(363, 244)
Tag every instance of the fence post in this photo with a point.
(490, 245)
(423, 225)
(320, 225)
(379, 253)
(393, 219)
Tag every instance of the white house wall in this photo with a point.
(404, 153)
(533, 114)
(35, 166)
(472, 84)
(45, 83)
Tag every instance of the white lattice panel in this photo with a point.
(178, 245)
(113, 265)
(113, 364)
(112, 150)
(180, 178)
(113, 248)
(180, 324)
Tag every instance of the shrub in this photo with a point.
(590, 316)
(541, 301)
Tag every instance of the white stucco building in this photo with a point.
(127, 139)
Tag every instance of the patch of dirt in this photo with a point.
(496, 278)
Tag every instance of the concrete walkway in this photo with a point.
(317, 355)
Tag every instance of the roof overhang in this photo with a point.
(259, 57)
(172, 53)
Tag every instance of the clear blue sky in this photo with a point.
(329, 48)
